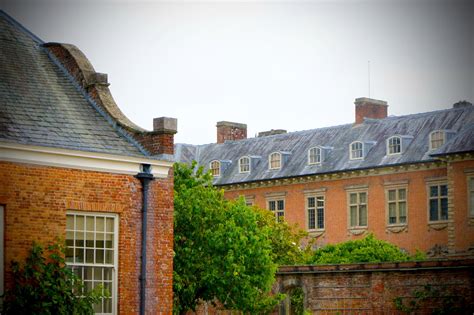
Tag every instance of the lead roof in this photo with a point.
(419, 126)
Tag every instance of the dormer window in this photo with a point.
(314, 156)
(244, 164)
(394, 145)
(437, 139)
(357, 150)
(215, 168)
(274, 161)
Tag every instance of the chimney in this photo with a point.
(369, 108)
(227, 130)
(462, 104)
(271, 133)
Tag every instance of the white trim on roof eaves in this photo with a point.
(92, 161)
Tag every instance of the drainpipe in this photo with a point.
(145, 176)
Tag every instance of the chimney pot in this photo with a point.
(227, 130)
(369, 108)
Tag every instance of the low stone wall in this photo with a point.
(372, 288)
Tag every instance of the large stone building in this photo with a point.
(73, 166)
(408, 179)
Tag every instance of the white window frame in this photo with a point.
(277, 211)
(114, 266)
(390, 145)
(316, 208)
(358, 205)
(443, 132)
(397, 202)
(351, 151)
(439, 198)
(270, 160)
(216, 172)
(319, 154)
(248, 164)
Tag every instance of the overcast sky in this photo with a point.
(291, 65)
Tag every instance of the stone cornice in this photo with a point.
(405, 168)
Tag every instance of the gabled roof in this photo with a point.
(42, 105)
(339, 137)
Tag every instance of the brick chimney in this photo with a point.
(227, 130)
(369, 108)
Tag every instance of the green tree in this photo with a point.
(45, 285)
(368, 249)
(223, 251)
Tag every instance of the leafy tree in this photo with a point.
(290, 245)
(45, 285)
(222, 251)
(368, 249)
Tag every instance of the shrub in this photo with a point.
(45, 285)
(368, 249)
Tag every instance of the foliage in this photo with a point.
(221, 252)
(444, 303)
(45, 285)
(286, 240)
(368, 249)
(296, 296)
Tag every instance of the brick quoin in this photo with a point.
(36, 199)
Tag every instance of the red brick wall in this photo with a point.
(418, 235)
(36, 200)
(369, 111)
(371, 288)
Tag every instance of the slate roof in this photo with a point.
(418, 126)
(41, 104)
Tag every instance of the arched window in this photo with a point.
(215, 168)
(357, 150)
(274, 161)
(437, 139)
(244, 164)
(394, 145)
(314, 156)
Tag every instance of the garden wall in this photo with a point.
(372, 288)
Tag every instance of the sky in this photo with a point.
(292, 65)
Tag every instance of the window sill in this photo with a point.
(396, 228)
(438, 226)
(316, 233)
(357, 230)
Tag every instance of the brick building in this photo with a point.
(73, 166)
(408, 179)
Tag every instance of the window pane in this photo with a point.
(90, 224)
(392, 215)
(110, 225)
(444, 208)
(402, 194)
(272, 205)
(311, 219)
(444, 190)
(311, 202)
(100, 224)
(70, 222)
(392, 195)
(79, 223)
(320, 218)
(90, 256)
(403, 208)
(433, 191)
(109, 256)
(434, 210)
(471, 211)
(362, 215)
(363, 197)
(281, 205)
(353, 210)
(353, 198)
(320, 201)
